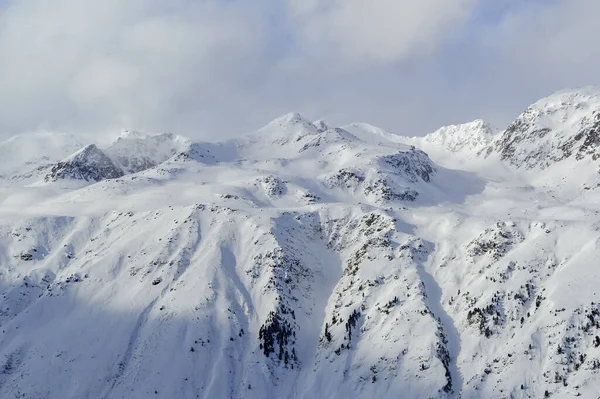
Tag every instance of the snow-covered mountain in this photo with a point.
(472, 137)
(134, 151)
(90, 164)
(555, 143)
(305, 260)
(556, 128)
(28, 154)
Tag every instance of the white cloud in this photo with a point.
(535, 48)
(220, 67)
(74, 63)
(377, 31)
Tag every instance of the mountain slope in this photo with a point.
(553, 129)
(134, 152)
(89, 164)
(28, 156)
(302, 261)
(553, 144)
(473, 136)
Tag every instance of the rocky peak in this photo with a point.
(563, 125)
(90, 164)
(467, 136)
(289, 127)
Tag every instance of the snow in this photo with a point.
(25, 153)
(305, 260)
(88, 164)
(134, 151)
(472, 136)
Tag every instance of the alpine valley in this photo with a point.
(306, 261)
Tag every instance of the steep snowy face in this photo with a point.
(565, 125)
(90, 164)
(219, 302)
(471, 137)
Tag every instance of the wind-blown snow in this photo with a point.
(305, 260)
(134, 151)
(20, 155)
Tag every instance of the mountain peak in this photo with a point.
(289, 120)
(571, 96)
(473, 135)
(90, 150)
(89, 164)
(560, 126)
(289, 127)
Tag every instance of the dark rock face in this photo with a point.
(591, 138)
(384, 191)
(528, 143)
(495, 241)
(523, 131)
(273, 186)
(89, 164)
(345, 178)
(413, 165)
(393, 179)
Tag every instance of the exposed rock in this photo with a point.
(89, 164)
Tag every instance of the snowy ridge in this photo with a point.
(564, 125)
(305, 260)
(473, 136)
(89, 164)
(134, 151)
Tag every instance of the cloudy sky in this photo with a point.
(217, 68)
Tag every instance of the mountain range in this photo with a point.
(305, 260)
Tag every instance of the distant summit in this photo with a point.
(472, 136)
(565, 125)
(89, 164)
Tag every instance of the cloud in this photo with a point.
(530, 50)
(217, 68)
(86, 64)
(377, 31)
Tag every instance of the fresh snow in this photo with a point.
(473, 136)
(305, 260)
(134, 151)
